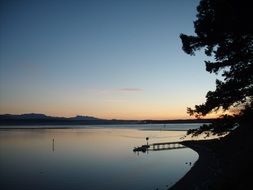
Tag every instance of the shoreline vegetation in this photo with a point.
(224, 35)
(224, 163)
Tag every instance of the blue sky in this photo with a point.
(106, 58)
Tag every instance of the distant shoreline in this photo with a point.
(42, 119)
(88, 127)
(142, 127)
(31, 122)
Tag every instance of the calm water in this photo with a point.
(89, 159)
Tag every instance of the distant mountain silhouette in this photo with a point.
(80, 117)
(43, 116)
(42, 119)
(25, 116)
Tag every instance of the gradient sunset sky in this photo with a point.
(104, 58)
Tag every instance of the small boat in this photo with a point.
(142, 148)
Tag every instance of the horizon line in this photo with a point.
(76, 115)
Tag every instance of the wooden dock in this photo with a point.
(160, 146)
(166, 146)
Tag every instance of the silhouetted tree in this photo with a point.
(224, 30)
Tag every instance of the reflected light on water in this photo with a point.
(91, 159)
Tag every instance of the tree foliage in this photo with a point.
(224, 30)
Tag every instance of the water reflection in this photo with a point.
(53, 146)
(93, 159)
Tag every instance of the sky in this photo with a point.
(104, 58)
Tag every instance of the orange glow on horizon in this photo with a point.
(133, 116)
(130, 110)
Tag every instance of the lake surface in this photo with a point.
(90, 158)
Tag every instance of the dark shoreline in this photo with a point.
(223, 164)
(195, 179)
